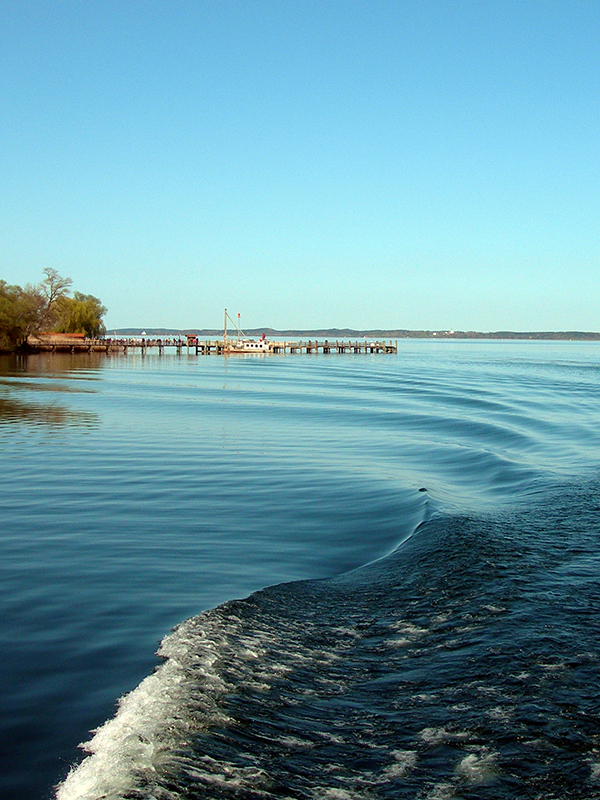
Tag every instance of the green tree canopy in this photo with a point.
(81, 313)
(46, 307)
(21, 311)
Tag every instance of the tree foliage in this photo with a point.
(21, 311)
(46, 307)
(81, 313)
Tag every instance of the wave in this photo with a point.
(461, 665)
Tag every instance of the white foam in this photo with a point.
(129, 745)
(594, 771)
(551, 667)
(436, 736)
(401, 641)
(408, 634)
(477, 768)
(295, 743)
(408, 628)
(154, 718)
(321, 793)
(330, 737)
(441, 791)
(224, 775)
(404, 762)
(494, 609)
(500, 713)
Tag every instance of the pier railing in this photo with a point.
(192, 345)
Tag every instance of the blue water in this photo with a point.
(424, 527)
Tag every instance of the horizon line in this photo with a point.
(394, 332)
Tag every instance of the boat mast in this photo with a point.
(240, 332)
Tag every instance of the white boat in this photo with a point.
(242, 344)
(249, 346)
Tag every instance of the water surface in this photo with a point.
(436, 513)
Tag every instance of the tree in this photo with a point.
(54, 288)
(81, 313)
(21, 312)
(46, 307)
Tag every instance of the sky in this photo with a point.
(417, 164)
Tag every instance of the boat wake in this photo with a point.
(462, 665)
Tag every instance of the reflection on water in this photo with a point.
(55, 364)
(49, 415)
(14, 379)
(29, 386)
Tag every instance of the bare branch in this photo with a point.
(54, 286)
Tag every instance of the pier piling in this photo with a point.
(204, 347)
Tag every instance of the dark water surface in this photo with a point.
(420, 644)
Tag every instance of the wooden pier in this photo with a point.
(309, 347)
(192, 345)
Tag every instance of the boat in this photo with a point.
(242, 344)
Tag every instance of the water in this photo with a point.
(383, 571)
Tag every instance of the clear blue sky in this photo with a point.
(415, 164)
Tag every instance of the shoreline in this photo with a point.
(345, 333)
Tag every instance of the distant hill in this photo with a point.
(350, 333)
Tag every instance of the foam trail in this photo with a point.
(152, 720)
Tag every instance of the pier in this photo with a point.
(192, 345)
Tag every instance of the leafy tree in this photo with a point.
(28, 311)
(81, 313)
(21, 311)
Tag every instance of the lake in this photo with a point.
(367, 576)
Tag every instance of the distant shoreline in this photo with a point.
(348, 333)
